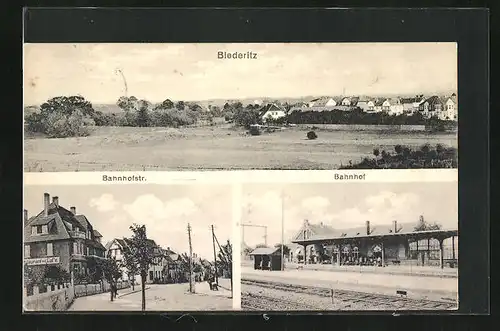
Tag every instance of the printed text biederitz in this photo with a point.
(133, 178)
(350, 176)
(236, 55)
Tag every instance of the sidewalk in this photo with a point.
(165, 297)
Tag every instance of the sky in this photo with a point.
(344, 206)
(164, 209)
(187, 72)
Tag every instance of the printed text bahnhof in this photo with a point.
(133, 178)
(349, 176)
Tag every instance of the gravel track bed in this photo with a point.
(255, 293)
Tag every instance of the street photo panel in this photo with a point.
(349, 246)
(244, 106)
(135, 247)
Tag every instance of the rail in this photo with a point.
(378, 301)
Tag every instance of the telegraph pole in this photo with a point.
(282, 230)
(191, 287)
(215, 257)
(230, 268)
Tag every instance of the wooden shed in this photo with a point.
(267, 258)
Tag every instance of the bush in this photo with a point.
(358, 116)
(58, 125)
(405, 158)
(254, 130)
(312, 135)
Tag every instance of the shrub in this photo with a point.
(254, 130)
(312, 135)
(59, 125)
(423, 157)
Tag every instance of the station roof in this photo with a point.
(416, 235)
(264, 251)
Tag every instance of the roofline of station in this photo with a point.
(436, 234)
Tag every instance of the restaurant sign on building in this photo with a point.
(42, 261)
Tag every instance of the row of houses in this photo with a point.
(442, 107)
(57, 236)
(168, 267)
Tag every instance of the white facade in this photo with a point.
(450, 110)
(346, 102)
(386, 106)
(396, 109)
(273, 114)
(116, 251)
(367, 106)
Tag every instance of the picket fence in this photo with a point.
(60, 297)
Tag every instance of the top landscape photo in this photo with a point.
(208, 106)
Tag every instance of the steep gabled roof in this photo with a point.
(354, 101)
(434, 100)
(321, 102)
(412, 100)
(97, 234)
(58, 232)
(62, 219)
(270, 107)
(314, 230)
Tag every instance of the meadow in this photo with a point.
(220, 147)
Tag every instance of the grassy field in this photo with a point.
(212, 148)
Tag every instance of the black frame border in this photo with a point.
(468, 27)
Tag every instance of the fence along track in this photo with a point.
(348, 296)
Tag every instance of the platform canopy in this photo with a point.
(413, 235)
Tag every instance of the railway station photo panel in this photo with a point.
(369, 246)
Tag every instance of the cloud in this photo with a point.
(380, 209)
(150, 207)
(314, 203)
(106, 202)
(166, 222)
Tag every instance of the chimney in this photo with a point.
(55, 200)
(395, 223)
(367, 227)
(25, 216)
(46, 202)
(73, 210)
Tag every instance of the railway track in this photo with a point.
(377, 301)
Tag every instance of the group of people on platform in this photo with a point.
(348, 260)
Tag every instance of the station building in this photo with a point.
(390, 244)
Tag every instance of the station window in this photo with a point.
(50, 249)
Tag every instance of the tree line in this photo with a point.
(74, 116)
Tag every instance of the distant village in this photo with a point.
(434, 106)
